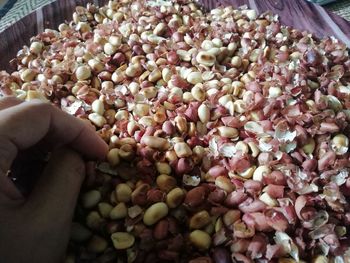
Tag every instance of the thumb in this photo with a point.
(48, 210)
(56, 192)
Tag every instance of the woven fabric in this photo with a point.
(322, 2)
(13, 10)
(340, 7)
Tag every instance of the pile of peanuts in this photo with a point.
(228, 133)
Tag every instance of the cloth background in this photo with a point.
(13, 10)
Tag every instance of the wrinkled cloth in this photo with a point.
(13, 10)
(322, 2)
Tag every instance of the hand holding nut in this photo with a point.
(40, 222)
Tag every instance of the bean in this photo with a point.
(155, 142)
(97, 244)
(201, 260)
(161, 229)
(36, 47)
(181, 124)
(122, 240)
(104, 209)
(195, 197)
(175, 197)
(166, 182)
(224, 183)
(163, 168)
(97, 119)
(118, 212)
(221, 255)
(154, 213)
(79, 233)
(182, 150)
(309, 146)
(200, 220)
(98, 107)
(230, 217)
(194, 77)
(94, 220)
(83, 72)
(228, 132)
(206, 58)
(91, 198)
(123, 193)
(200, 239)
(261, 172)
(320, 259)
(139, 195)
(203, 113)
(268, 200)
(113, 157)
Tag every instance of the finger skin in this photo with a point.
(58, 187)
(43, 222)
(9, 101)
(8, 190)
(28, 123)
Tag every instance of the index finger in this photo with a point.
(26, 124)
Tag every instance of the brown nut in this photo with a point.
(118, 212)
(230, 217)
(166, 182)
(163, 168)
(200, 239)
(195, 197)
(161, 229)
(123, 193)
(221, 255)
(182, 149)
(224, 183)
(113, 157)
(155, 195)
(320, 259)
(200, 220)
(139, 195)
(181, 124)
(201, 260)
(175, 197)
(94, 220)
(104, 209)
(91, 199)
(97, 244)
(154, 213)
(155, 142)
(122, 240)
(79, 233)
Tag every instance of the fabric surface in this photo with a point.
(341, 8)
(322, 2)
(13, 10)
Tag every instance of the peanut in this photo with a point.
(155, 142)
(175, 197)
(118, 212)
(199, 220)
(154, 213)
(123, 193)
(200, 239)
(122, 240)
(91, 198)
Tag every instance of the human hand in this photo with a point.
(36, 228)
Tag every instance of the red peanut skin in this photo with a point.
(160, 231)
(195, 197)
(221, 255)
